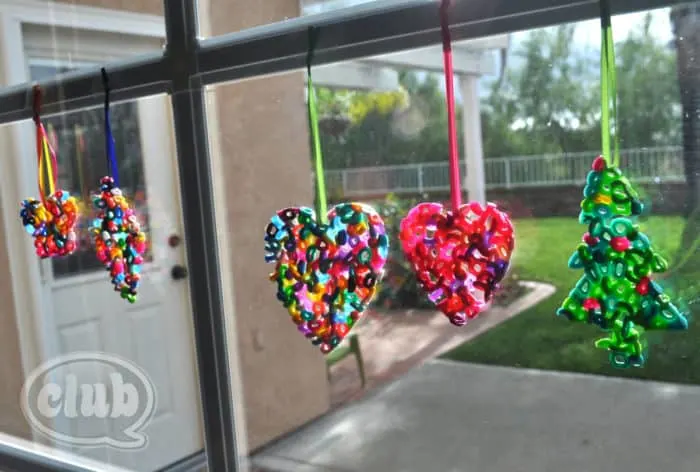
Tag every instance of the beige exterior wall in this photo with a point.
(263, 142)
(11, 370)
(11, 375)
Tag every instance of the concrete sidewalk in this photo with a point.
(394, 343)
(456, 417)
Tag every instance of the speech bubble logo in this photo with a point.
(90, 399)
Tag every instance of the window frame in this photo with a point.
(188, 64)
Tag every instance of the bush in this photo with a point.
(399, 288)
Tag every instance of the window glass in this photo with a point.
(424, 394)
(309, 7)
(405, 390)
(82, 373)
(67, 37)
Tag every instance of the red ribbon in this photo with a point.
(455, 181)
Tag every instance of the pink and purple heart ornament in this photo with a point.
(459, 256)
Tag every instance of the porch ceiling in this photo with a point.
(470, 57)
(357, 76)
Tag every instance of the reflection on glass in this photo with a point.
(81, 325)
(310, 7)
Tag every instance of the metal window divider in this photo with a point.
(197, 197)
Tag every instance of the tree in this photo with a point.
(388, 128)
(685, 20)
(546, 103)
(550, 101)
(648, 111)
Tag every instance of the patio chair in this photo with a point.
(350, 348)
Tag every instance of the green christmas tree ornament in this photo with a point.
(616, 291)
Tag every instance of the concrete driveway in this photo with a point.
(446, 416)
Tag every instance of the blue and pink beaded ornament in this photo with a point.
(119, 241)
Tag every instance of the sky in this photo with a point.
(586, 36)
(587, 33)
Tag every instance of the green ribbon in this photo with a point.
(321, 203)
(608, 89)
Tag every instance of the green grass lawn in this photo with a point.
(537, 338)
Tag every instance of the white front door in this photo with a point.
(81, 312)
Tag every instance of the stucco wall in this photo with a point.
(11, 376)
(11, 371)
(263, 142)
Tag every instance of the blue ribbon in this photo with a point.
(109, 137)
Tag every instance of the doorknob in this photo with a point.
(178, 272)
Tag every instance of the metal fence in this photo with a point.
(660, 164)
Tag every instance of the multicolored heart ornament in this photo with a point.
(119, 241)
(459, 256)
(51, 223)
(326, 274)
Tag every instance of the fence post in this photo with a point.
(420, 179)
(506, 164)
(344, 182)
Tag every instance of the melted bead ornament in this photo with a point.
(119, 241)
(616, 292)
(462, 253)
(51, 223)
(459, 257)
(326, 274)
(50, 220)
